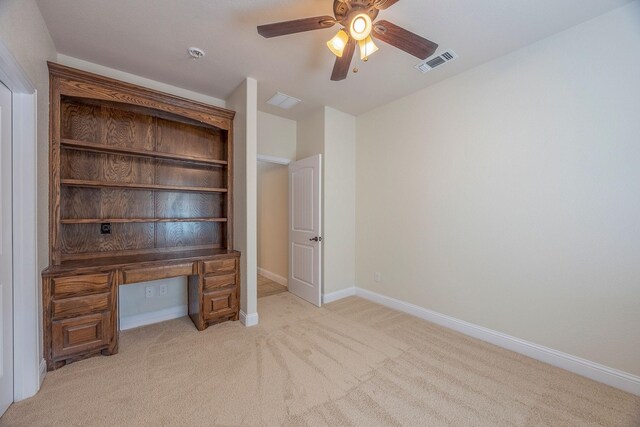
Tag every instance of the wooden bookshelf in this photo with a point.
(133, 186)
(141, 188)
(89, 146)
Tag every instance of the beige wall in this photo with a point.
(23, 31)
(276, 136)
(333, 134)
(244, 101)
(339, 200)
(509, 196)
(273, 235)
(310, 135)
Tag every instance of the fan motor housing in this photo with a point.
(345, 10)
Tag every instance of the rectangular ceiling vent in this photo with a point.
(436, 61)
(283, 101)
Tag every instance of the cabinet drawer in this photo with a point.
(71, 307)
(81, 285)
(220, 303)
(80, 334)
(156, 273)
(219, 265)
(220, 281)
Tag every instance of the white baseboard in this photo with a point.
(335, 296)
(249, 319)
(595, 371)
(153, 317)
(273, 276)
(43, 371)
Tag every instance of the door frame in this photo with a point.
(29, 367)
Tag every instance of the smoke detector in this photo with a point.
(195, 52)
(436, 61)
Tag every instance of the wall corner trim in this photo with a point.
(249, 320)
(43, 371)
(338, 295)
(595, 371)
(273, 276)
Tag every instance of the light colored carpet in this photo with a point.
(267, 287)
(351, 363)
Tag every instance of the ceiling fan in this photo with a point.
(357, 19)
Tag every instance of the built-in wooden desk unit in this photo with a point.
(140, 190)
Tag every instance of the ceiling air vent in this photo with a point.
(283, 101)
(436, 61)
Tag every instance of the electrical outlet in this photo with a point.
(377, 277)
(163, 290)
(149, 292)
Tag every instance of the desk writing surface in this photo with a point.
(110, 263)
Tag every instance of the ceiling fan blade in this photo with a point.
(385, 4)
(343, 64)
(297, 26)
(403, 39)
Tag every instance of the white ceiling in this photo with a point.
(150, 38)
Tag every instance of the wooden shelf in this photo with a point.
(152, 187)
(100, 148)
(136, 220)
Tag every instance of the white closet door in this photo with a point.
(305, 229)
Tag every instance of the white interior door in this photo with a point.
(305, 229)
(6, 252)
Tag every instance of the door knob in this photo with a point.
(316, 239)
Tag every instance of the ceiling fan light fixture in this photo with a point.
(367, 47)
(361, 26)
(338, 43)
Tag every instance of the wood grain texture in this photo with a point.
(157, 168)
(219, 266)
(78, 306)
(119, 262)
(219, 304)
(80, 334)
(101, 148)
(88, 85)
(179, 174)
(79, 203)
(404, 40)
(79, 165)
(80, 121)
(215, 282)
(296, 26)
(189, 205)
(184, 140)
(147, 274)
(86, 238)
(136, 186)
(127, 129)
(81, 285)
(188, 234)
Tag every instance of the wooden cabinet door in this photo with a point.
(81, 334)
(220, 304)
